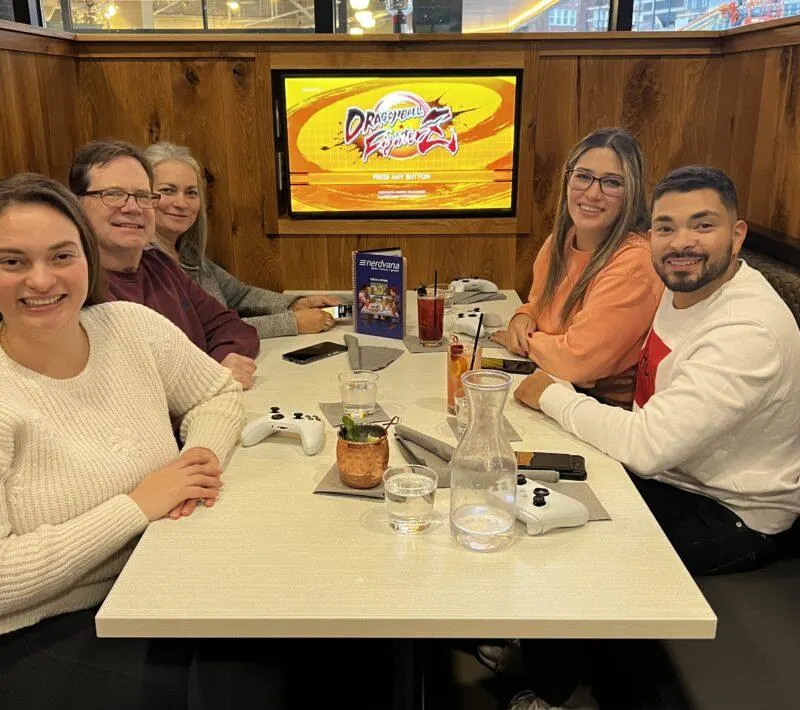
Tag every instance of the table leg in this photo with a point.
(408, 691)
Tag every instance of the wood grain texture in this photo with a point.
(38, 113)
(709, 98)
(773, 198)
(17, 37)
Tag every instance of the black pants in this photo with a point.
(708, 537)
(60, 664)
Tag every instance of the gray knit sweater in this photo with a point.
(268, 312)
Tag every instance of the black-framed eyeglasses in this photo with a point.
(609, 184)
(119, 198)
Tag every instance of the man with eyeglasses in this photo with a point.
(113, 181)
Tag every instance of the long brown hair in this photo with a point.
(633, 217)
(30, 189)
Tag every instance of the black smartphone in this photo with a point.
(312, 353)
(514, 367)
(569, 466)
(343, 311)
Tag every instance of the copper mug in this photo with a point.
(361, 464)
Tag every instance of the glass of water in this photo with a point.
(449, 295)
(409, 492)
(359, 390)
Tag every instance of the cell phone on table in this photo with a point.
(344, 311)
(569, 466)
(514, 367)
(312, 353)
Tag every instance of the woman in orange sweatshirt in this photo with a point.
(594, 291)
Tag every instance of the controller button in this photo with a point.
(521, 480)
(298, 415)
(541, 492)
(539, 501)
(274, 409)
(277, 416)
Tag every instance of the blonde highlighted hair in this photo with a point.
(193, 241)
(633, 217)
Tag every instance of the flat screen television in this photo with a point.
(389, 143)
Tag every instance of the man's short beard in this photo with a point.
(679, 284)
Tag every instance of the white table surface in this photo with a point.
(272, 560)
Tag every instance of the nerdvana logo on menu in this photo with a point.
(401, 125)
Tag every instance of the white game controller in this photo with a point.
(467, 323)
(542, 509)
(310, 427)
(481, 285)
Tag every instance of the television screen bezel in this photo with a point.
(279, 97)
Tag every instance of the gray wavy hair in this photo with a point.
(193, 241)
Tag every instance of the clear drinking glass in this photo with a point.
(359, 391)
(459, 358)
(449, 294)
(409, 492)
(430, 317)
(483, 470)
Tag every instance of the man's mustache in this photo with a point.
(684, 255)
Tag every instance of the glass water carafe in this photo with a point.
(483, 470)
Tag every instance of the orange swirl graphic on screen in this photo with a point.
(392, 143)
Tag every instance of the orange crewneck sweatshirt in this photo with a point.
(597, 349)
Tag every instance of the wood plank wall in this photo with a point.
(38, 112)
(730, 101)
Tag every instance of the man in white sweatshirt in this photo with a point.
(714, 435)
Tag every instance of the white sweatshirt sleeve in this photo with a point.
(726, 374)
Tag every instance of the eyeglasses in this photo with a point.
(609, 185)
(119, 198)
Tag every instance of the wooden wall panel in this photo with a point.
(665, 102)
(38, 113)
(207, 105)
(773, 198)
(556, 131)
(705, 99)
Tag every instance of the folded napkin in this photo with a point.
(580, 491)
(332, 485)
(369, 357)
(464, 297)
(413, 345)
(334, 411)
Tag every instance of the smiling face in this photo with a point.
(695, 241)
(44, 275)
(180, 198)
(125, 229)
(591, 210)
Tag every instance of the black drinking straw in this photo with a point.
(475, 344)
(435, 289)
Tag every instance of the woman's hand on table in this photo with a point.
(515, 338)
(176, 488)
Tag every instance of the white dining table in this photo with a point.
(274, 559)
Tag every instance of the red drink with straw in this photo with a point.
(430, 316)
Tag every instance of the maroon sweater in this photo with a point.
(159, 283)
